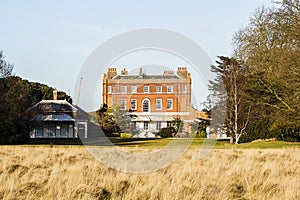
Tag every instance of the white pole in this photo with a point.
(79, 91)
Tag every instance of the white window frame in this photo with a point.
(38, 132)
(156, 103)
(109, 89)
(133, 89)
(125, 89)
(146, 126)
(123, 102)
(169, 88)
(159, 90)
(169, 124)
(171, 108)
(149, 106)
(133, 100)
(158, 125)
(184, 89)
(147, 89)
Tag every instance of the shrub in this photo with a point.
(125, 135)
(198, 134)
(202, 134)
(289, 134)
(265, 129)
(260, 129)
(167, 132)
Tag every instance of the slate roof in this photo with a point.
(55, 117)
(53, 106)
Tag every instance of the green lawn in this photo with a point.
(197, 142)
(262, 145)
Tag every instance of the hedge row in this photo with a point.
(265, 129)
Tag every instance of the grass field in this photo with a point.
(197, 142)
(260, 170)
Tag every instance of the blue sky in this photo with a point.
(48, 41)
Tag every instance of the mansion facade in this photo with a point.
(154, 100)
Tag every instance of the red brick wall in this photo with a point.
(181, 101)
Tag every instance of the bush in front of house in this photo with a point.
(202, 134)
(125, 135)
(167, 132)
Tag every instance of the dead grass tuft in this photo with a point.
(72, 173)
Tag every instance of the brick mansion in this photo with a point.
(155, 100)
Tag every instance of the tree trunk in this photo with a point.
(235, 111)
(231, 140)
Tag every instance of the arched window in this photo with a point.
(146, 105)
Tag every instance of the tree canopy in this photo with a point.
(267, 92)
(16, 98)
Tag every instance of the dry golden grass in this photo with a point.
(72, 173)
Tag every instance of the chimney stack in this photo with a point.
(141, 72)
(124, 72)
(182, 71)
(55, 94)
(168, 72)
(111, 72)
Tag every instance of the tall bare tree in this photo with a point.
(270, 46)
(229, 86)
